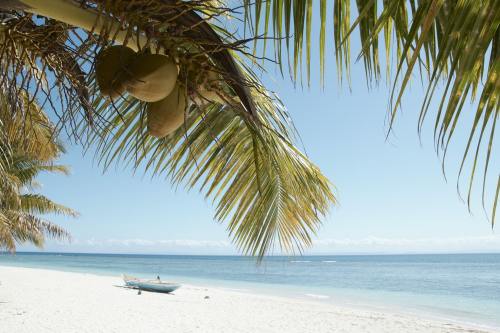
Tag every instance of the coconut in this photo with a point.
(153, 77)
(167, 115)
(111, 65)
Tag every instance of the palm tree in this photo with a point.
(27, 152)
(236, 142)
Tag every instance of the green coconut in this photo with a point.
(167, 115)
(111, 69)
(153, 77)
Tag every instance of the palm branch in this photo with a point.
(237, 141)
(26, 153)
(29, 130)
(20, 227)
(267, 189)
(19, 222)
(455, 42)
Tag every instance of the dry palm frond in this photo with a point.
(36, 61)
(52, 60)
(20, 227)
(453, 41)
(18, 211)
(27, 150)
(30, 130)
(39, 204)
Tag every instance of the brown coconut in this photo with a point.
(167, 115)
(111, 67)
(153, 77)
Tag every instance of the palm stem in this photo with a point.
(69, 12)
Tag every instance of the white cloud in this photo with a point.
(378, 244)
(167, 242)
(113, 243)
(370, 244)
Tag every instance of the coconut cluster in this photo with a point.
(151, 78)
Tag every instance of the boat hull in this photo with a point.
(150, 285)
(159, 288)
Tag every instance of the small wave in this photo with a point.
(300, 260)
(317, 296)
(329, 261)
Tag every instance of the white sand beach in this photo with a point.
(38, 300)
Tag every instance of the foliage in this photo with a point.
(237, 142)
(261, 183)
(450, 41)
(27, 151)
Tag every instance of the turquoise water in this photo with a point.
(461, 287)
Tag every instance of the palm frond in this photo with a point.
(25, 168)
(268, 192)
(235, 144)
(24, 228)
(6, 240)
(39, 204)
(29, 51)
(443, 40)
(28, 147)
(29, 129)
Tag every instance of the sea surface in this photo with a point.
(459, 287)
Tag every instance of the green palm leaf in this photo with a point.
(268, 192)
(442, 40)
(39, 204)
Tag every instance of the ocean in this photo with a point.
(459, 287)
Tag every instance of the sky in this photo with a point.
(393, 197)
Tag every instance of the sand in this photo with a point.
(38, 300)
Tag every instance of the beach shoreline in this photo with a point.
(45, 300)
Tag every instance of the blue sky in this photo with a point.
(393, 196)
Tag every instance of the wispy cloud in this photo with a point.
(164, 243)
(452, 244)
(372, 244)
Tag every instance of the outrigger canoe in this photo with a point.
(150, 285)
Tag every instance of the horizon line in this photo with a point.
(41, 252)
